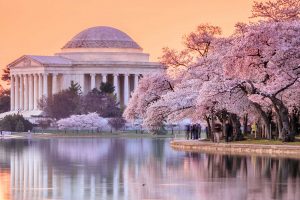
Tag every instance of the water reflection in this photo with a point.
(137, 169)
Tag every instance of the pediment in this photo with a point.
(25, 61)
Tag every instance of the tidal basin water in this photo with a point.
(142, 168)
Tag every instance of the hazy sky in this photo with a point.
(42, 27)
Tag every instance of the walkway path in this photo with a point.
(233, 148)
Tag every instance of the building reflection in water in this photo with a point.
(4, 184)
(137, 169)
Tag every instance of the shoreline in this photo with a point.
(81, 135)
(283, 151)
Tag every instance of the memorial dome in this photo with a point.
(102, 37)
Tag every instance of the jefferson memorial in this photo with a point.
(95, 55)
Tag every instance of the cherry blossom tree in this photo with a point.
(148, 92)
(80, 122)
(194, 72)
(201, 40)
(252, 72)
(278, 10)
(197, 44)
(148, 101)
(265, 59)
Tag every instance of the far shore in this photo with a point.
(285, 150)
(129, 134)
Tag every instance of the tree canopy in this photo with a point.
(5, 75)
(4, 100)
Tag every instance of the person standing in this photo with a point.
(254, 129)
(187, 131)
(199, 129)
(228, 131)
(193, 131)
(207, 132)
(217, 132)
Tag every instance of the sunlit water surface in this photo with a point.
(111, 168)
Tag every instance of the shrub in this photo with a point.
(20, 126)
(44, 123)
(117, 123)
(15, 123)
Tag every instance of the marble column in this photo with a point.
(30, 91)
(26, 92)
(12, 93)
(126, 89)
(104, 78)
(35, 91)
(17, 94)
(21, 92)
(40, 86)
(54, 84)
(93, 81)
(116, 85)
(136, 81)
(45, 85)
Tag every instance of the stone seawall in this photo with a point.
(237, 149)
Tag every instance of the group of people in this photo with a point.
(193, 131)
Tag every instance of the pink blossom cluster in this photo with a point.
(80, 122)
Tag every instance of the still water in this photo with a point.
(143, 168)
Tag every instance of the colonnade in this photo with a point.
(116, 84)
(28, 89)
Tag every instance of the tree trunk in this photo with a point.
(258, 129)
(212, 126)
(223, 128)
(209, 132)
(236, 126)
(279, 126)
(279, 122)
(294, 121)
(283, 117)
(245, 124)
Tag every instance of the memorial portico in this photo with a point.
(95, 55)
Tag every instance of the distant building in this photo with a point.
(95, 55)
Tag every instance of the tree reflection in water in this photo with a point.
(138, 169)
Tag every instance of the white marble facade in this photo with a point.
(95, 55)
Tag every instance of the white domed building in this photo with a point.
(95, 55)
